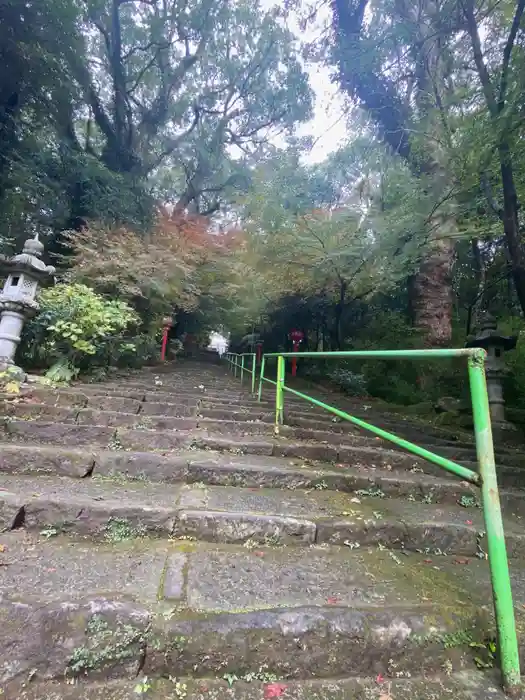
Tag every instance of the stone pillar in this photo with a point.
(495, 346)
(12, 319)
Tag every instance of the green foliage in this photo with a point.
(77, 329)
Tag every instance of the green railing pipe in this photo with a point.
(233, 361)
(383, 354)
(261, 378)
(497, 551)
(486, 477)
(279, 393)
(457, 469)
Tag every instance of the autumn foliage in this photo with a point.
(164, 263)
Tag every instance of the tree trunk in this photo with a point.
(511, 224)
(339, 307)
(431, 302)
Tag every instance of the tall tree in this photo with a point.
(497, 62)
(194, 85)
(393, 58)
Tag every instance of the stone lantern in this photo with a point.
(496, 346)
(25, 273)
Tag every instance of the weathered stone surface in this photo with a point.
(87, 517)
(242, 527)
(11, 509)
(92, 416)
(244, 426)
(131, 420)
(232, 580)
(45, 412)
(100, 509)
(325, 453)
(357, 456)
(102, 637)
(186, 408)
(305, 642)
(222, 473)
(174, 576)
(58, 433)
(63, 397)
(246, 413)
(142, 465)
(137, 439)
(48, 569)
(115, 403)
(295, 503)
(234, 444)
(20, 459)
(470, 685)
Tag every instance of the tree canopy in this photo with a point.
(155, 145)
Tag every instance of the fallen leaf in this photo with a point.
(427, 561)
(259, 554)
(331, 601)
(461, 561)
(12, 388)
(2, 547)
(355, 500)
(468, 522)
(274, 690)
(380, 679)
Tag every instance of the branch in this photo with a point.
(487, 190)
(484, 77)
(174, 143)
(507, 52)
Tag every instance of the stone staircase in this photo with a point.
(159, 541)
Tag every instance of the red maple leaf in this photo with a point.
(331, 600)
(274, 690)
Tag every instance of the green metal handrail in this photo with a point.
(485, 478)
(231, 358)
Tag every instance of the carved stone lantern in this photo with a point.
(26, 272)
(496, 346)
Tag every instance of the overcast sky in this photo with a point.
(329, 125)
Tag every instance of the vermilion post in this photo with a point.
(294, 359)
(296, 337)
(166, 323)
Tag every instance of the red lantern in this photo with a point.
(167, 323)
(297, 338)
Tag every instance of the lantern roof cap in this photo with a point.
(488, 336)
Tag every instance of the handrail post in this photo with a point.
(261, 378)
(254, 365)
(497, 552)
(235, 365)
(279, 393)
(242, 368)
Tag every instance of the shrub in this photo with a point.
(78, 329)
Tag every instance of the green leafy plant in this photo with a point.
(77, 329)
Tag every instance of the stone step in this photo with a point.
(95, 508)
(176, 437)
(461, 686)
(168, 417)
(249, 471)
(87, 612)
